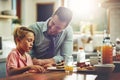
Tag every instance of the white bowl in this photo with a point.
(8, 12)
(104, 68)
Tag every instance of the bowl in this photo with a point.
(104, 68)
(8, 12)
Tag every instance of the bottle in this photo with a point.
(117, 46)
(81, 57)
(105, 35)
(107, 51)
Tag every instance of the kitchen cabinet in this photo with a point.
(2, 69)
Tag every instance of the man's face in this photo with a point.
(55, 25)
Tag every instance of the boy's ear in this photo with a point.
(18, 39)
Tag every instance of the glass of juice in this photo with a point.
(68, 64)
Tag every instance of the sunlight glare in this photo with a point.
(83, 7)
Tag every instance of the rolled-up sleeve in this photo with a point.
(66, 49)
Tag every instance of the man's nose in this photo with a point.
(53, 29)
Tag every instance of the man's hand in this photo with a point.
(44, 62)
(50, 62)
(37, 61)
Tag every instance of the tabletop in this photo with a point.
(62, 75)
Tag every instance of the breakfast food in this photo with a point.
(86, 68)
(83, 66)
(60, 65)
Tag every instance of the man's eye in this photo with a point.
(57, 27)
(52, 23)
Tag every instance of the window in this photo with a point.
(87, 12)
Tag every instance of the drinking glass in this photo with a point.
(69, 64)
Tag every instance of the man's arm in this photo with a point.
(66, 48)
(44, 62)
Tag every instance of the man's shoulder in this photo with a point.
(37, 25)
(68, 29)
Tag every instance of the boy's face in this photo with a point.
(27, 42)
(55, 25)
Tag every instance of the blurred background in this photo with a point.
(90, 19)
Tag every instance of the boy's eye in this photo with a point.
(29, 40)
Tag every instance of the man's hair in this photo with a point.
(20, 33)
(64, 14)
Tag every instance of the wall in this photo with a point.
(5, 29)
(29, 10)
(5, 24)
(115, 23)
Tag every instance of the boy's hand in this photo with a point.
(37, 68)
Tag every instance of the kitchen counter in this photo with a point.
(1, 52)
(61, 75)
(74, 55)
(2, 60)
(7, 46)
(2, 67)
(51, 75)
(87, 55)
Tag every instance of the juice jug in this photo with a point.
(107, 52)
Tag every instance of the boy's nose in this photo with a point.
(31, 44)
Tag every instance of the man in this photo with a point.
(53, 38)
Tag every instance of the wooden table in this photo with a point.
(61, 75)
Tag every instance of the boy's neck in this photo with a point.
(22, 52)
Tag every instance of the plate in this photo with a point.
(87, 71)
(55, 69)
(116, 62)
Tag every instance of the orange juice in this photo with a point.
(68, 68)
(107, 54)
